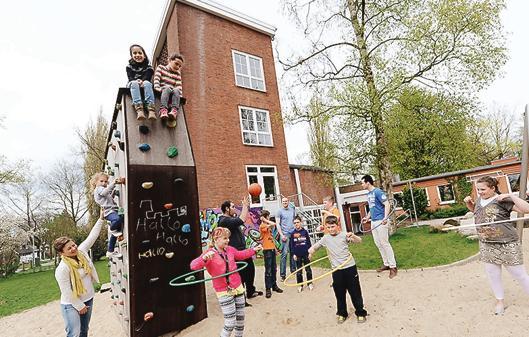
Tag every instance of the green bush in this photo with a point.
(419, 197)
(450, 212)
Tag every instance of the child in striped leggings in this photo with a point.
(219, 259)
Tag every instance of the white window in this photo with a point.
(446, 194)
(266, 176)
(255, 127)
(248, 71)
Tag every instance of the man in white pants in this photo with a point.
(378, 212)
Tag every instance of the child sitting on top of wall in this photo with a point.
(139, 73)
(168, 81)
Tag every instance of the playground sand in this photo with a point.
(455, 301)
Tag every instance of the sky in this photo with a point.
(63, 61)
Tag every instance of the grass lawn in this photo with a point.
(413, 247)
(25, 291)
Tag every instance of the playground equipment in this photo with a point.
(161, 230)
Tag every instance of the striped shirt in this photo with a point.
(165, 77)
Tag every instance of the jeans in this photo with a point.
(167, 92)
(136, 93)
(248, 277)
(116, 224)
(301, 261)
(76, 325)
(270, 268)
(283, 263)
(347, 280)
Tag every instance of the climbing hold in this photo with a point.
(171, 123)
(118, 106)
(145, 242)
(144, 147)
(121, 211)
(154, 279)
(168, 206)
(169, 255)
(148, 316)
(116, 193)
(121, 146)
(148, 184)
(114, 125)
(112, 146)
(190, 308)
(116, 165)
(112, 297)
(124, 290)
(117, 134)
(189, 278)
(186, 228)
(144, 129)
(172, 152)
(126, 276)
(121, 302)
(178, 180)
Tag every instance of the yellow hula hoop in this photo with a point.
(317, 278)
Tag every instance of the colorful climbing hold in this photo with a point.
(114, 125)
(117, 134)
(144, 147)
(169, 255)
(190, 308)
(148, 184)
(154, 279)
(178, 180)
(172, 152)
(144, 129)
(121, 146)
(186, 228)
(146, 242)
(116, 193)
(121, 211)
(168, 206)
(116, 165)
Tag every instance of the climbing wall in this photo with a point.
(162, 227)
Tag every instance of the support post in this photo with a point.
(525, 164)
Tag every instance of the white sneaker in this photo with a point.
(311, 287)
(300, 289)
(116, 233)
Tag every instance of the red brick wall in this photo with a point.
(315, 184)
(212, 113)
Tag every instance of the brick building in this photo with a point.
(233, 110)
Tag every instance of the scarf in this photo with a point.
(75, 278)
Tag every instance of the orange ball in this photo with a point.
(255, 189)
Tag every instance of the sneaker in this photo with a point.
(116, 233)
(361, 319)
(282, 279)
(383, 268)
(392, 272)
(499, 309)
(246, 304)
(277, 289)
(173, 113)
(300, 289)
(341, 319)
(268, 293)
(163, 113)
(311, 286)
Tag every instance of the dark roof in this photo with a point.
(456, 173)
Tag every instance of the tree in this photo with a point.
(370, 51)
(66, 182)
(11, 239)
(10, 172)
(419, 198)
(428, 134)
(322, 148)
(93, 143)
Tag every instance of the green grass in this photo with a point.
(413, 247)
(24, 291)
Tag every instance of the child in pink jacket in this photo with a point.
(219, 259)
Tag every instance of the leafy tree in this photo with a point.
(419, 198)
(428, 134)
(11, 239)
(368, 52)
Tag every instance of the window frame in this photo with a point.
(448, 202)
(260, 181)
(249, 75)
(256, 132)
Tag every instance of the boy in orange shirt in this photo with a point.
(329, 209)
(269, 253)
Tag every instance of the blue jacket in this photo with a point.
(299, 242)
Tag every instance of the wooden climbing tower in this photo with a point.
(161, 230)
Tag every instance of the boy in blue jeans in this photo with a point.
(299, 248)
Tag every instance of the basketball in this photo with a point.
(254, 189)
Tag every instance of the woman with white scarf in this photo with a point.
(76, 275)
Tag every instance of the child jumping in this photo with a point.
(139, 73)
(269, 253)
(499, 244)
(168, 81)
(219, 259)
(103, 197)
(346, 278)
(299, 248)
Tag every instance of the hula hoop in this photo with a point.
(174, 284)
(317, 278)
(392, 206)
